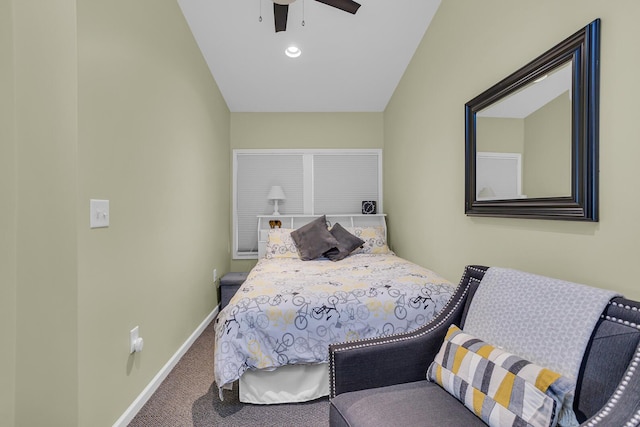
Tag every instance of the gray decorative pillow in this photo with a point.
(347, 243)
(313, 239)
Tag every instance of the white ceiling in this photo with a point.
(348, 62)
(533, 96)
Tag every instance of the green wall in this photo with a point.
(7, 219)
(154, 140)
(468, 47)
(46, 170)
(306, 130)
(501, 135)
(303, 131)
(546, 165)
(105, 100)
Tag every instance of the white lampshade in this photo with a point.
(487, 192)
(276, 193)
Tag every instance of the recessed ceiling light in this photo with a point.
(293, 52)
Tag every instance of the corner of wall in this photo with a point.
(7, 218)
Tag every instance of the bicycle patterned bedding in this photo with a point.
(288, 311)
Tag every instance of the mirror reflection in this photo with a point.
(531, 140)
(523, 148)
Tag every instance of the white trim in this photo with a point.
(307, 150)
(234, 203)
(307, 180)
(148, 391)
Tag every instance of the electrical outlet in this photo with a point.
(135, 342)
(215, 275)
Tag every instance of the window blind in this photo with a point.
(255, 176)
(314, 182)
(342, 181)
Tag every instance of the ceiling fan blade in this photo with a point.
(280, 13)
(346, 5)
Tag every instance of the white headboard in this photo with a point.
(297, 221)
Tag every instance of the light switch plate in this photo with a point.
(99, 213)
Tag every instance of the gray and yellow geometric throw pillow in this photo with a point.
(499, 387)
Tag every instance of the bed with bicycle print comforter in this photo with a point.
(288, 311)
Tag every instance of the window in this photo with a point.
(498, 176)
(315, 182)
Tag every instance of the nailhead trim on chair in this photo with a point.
(367, 342)
(595, 421)
(613, 401)
(623, 322)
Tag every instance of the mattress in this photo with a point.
(288, 311)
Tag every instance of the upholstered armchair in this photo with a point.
(383, 381)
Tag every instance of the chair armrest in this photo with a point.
(623, 407)
(398, 358)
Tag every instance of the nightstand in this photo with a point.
(229, 284)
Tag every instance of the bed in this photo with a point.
(273, 336)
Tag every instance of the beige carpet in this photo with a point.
(189, 397)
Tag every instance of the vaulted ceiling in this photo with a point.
(349, 63)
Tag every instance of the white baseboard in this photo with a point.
(137, 404)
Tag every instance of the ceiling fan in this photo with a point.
(281, 10)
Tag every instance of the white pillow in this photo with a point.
(374, 240)
(280, 244)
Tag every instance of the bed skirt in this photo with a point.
(287, 384)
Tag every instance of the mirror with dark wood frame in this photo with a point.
(532, 139)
